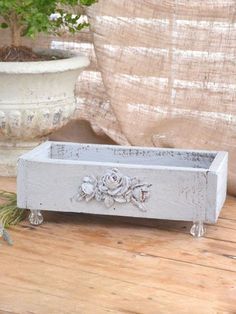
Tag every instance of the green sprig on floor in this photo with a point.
(10, 214)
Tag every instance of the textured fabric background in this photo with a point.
(169, 71)
(162, 73)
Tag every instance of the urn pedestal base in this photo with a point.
(9, 154)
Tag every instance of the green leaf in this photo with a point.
(88, 2)
(4, 25)
(33, 16)
(10, 214)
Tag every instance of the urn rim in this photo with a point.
(70, 61)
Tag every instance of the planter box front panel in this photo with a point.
(49, 178)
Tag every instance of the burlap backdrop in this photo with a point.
(169, 71)
(162, 73)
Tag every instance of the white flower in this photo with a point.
(54, 16)
(82, 19)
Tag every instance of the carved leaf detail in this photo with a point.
(108, 201)
(87, 188)
(120, 199)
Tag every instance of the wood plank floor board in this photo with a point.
(93, 264)
(214, 253)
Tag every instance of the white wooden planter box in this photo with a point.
(124, 181)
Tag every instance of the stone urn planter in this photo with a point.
(36, 98)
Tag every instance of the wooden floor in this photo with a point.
(88, 264)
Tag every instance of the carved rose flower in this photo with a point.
(113, 187)
(114, 183)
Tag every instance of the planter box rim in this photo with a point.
(36, 156)
(46, 143)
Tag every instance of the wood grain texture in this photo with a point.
(84, 264)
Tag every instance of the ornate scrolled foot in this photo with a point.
(35, 217)
(197, 230)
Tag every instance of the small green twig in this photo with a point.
(10, 214)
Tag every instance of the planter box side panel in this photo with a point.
(174, 194)
(24, 165)
(217, 187)
(22, 183)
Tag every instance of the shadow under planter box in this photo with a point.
(146, 182)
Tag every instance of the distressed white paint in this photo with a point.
(184, 184)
